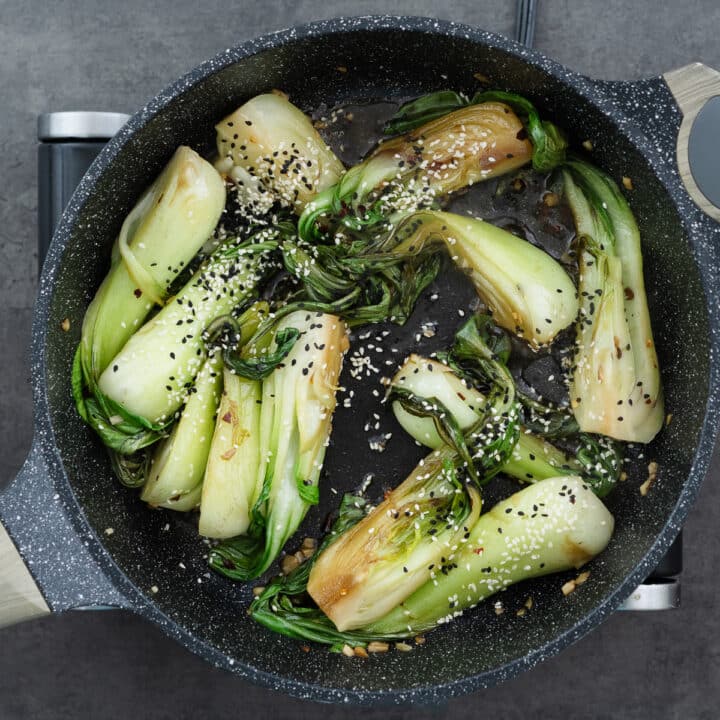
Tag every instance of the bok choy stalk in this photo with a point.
(175, 475)
(270, 147)
(551, 526)
(150, 376)
(162, 233)
(409, 172)
(615, 385)
(392, 551)
(526, 290)
(296, 406)
(178, 465)
(230, 487)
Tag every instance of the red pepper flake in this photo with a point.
(479, 551)
(227, 417)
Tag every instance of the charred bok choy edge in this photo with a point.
(551, 526)
(429, 396)
(412, 172)
(297, 401)
(615, 386)
(271, 151)
(548, 142)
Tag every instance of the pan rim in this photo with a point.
(138, 601)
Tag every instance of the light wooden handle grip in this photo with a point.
(20, 597)
(692, 86)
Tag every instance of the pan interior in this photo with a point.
(163, 550)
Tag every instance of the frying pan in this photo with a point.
(73, 538)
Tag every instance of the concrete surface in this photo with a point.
(109, 55)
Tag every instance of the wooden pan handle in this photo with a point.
(692, 86)
(20, 597)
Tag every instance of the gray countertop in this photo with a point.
(114, 56)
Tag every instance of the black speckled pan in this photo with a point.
(59, 508)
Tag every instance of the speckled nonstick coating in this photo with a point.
(58, 508)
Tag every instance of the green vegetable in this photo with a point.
(174, 479)
(615, 387)
(230, 486)
(393, 551)
(408, 173)
(440, 395)
(163, 232)
(390, 553)
(272, 151)
(150, 376)
(361, 285)
(282, 605)
(548, 527)
(297, 403)
(549, 144)
(526, 291)
(436, 387)
(510, 543)
(437, 401)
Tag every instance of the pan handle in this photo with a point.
(20, 597)
(696, 89)
(46, 561)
